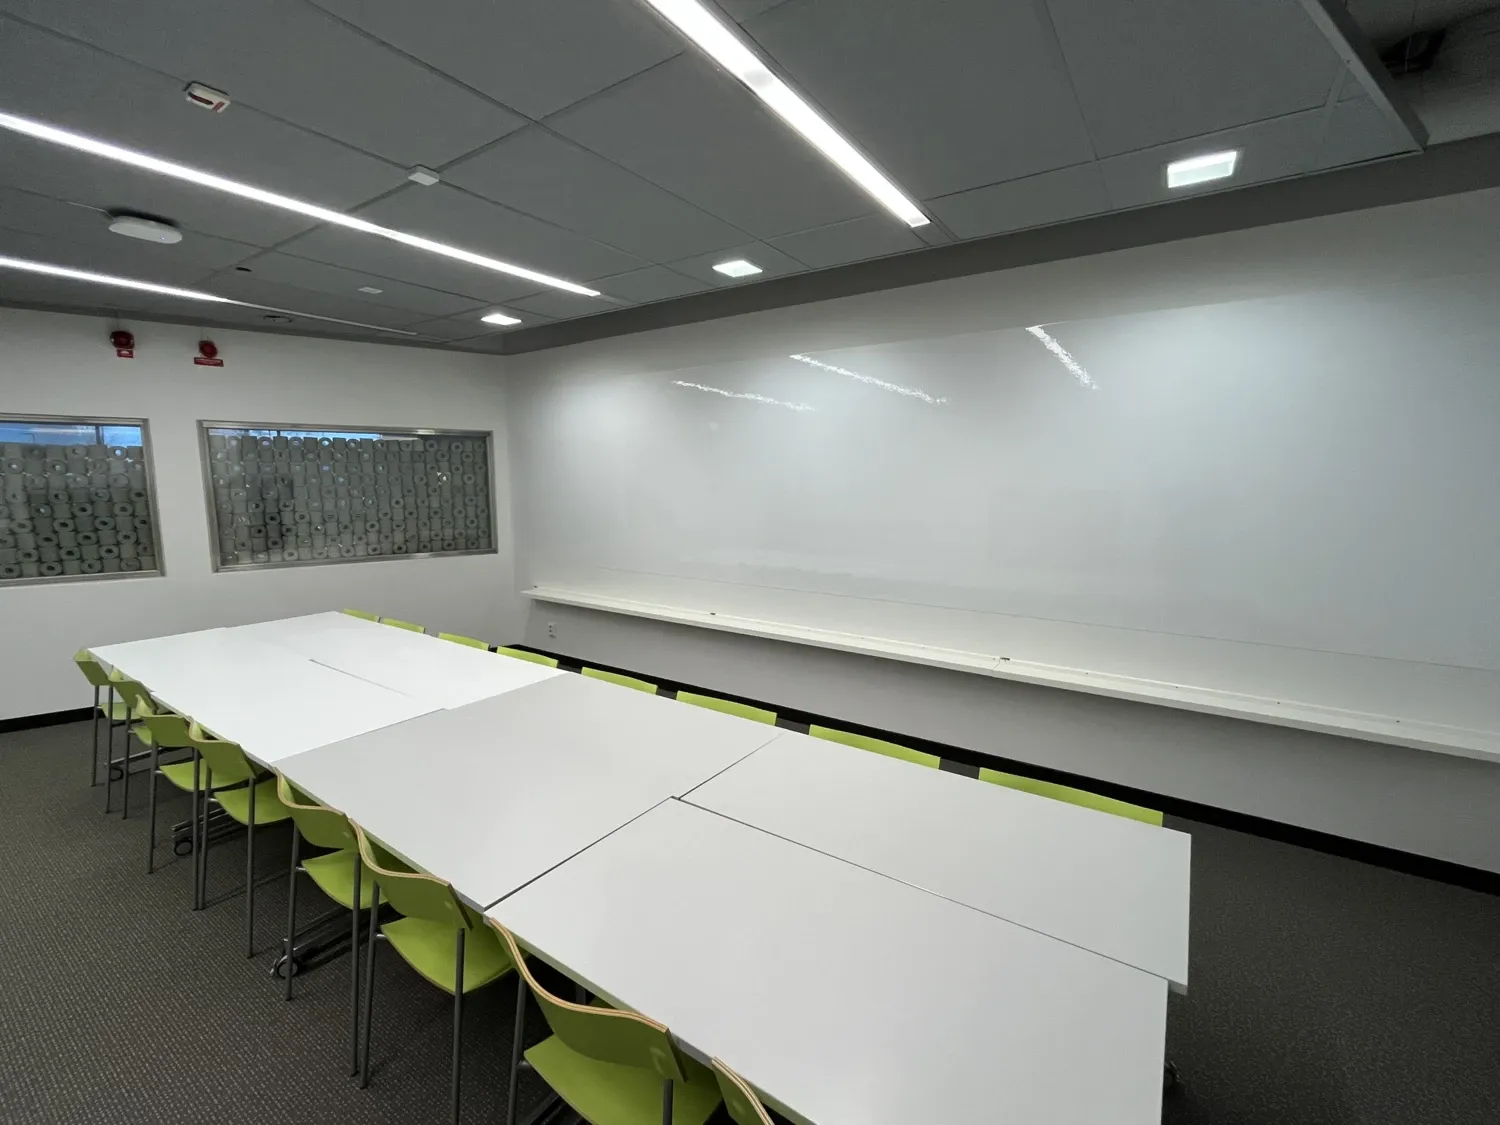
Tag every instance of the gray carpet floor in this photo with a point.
(1324, 991)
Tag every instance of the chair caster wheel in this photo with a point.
(182, 848)
(279, 970)
(115, 774)
(1170, 1076)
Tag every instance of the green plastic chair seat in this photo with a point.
(143, 732)
(429, 947)
(268, 806)
(1072, 796)
(471, 642)
(534, 657)
(729, 707)
(620, 678)
(608, 1093)
(180, 774)
(117, 713)
(334, 875)
(876, 746)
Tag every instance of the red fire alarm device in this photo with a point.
(123, 343)
(208, 354)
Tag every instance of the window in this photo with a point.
(77, 499)
(281, 496)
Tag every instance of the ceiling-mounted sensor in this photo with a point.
(150, 230)
(424, 176)
(216, 101)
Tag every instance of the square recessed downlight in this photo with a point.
(1202, 169)
(737, 267)
(500, 318)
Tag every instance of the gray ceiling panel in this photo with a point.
(544, 175)
(873, 236)
(1052, 197)
(1358, 131)
(73, 86)
(1269, 150)
(339, 282)
(469, 326)
(536, 57)
(124, 257)
(557, 305)
(654, 283)
(1152, 71)
(742, 10)
(943, 96)
(773, 263)
(290, 59)
(698, 133)
(31, 289)
(248, 287)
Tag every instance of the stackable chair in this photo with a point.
(620, 678)
(728, 707)
(1071, 796)
(876, 746)
(522, 654)
(470, 642)
(409, 626)
(739, 1099)
(361, 614)
(114, 711)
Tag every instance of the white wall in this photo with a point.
(1414, 800)
(56, 364)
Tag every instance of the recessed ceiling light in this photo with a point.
(727, 49)
(81, 143)
(172, 291)
(370, 289)
(738, 267)
(500, 318)
(1201, 169)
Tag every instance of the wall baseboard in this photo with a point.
(50, 719)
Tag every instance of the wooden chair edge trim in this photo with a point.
(744, 1087)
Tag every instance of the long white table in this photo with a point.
(492, 795)
(1114, 886)
(846, 997)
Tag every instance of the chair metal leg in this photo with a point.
(666, 1101)
(516, 1047)
(125, 776)
(200, 773)
(291, 915)
(109, 751)
(458, 1020)
(151, 818)
(354, 914)
(364, 1028)
(250, 876)
(94, 745)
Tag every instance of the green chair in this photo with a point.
(116, 711)
(438, 936)
(522, 654)
(876, 746)
(134, 696)
(458, 640)
(1071, 796)
(167, 730)
(361, 614)
(620, 678)
(729, 707)
(611, 1067)
(246, 796)
(741, 1101)
(409, 626)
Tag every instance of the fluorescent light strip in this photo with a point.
(897, 388)
(797, 406)
(149, 163)
(725, 47)
(1063, 357)
(171, 291)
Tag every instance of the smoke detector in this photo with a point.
(150, 230)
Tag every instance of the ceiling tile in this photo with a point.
(285, 269)
(942, 96)
(469, 326)
(853, 240)
(130, 258)
(742, 10)
(1358, 131)
(1269, 150)
(558, 305)
(291, 60)
(1152, 71)
(75, 87)
(772, 262)
(247, 287)
(536, 57)
(654, 283)
(544, 175)
(1052, 197)
(698, 133)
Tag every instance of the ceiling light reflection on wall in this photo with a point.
(894, 388)
(146, 162)
(1202, 169)
(727, 49)
(800, 407)
(739, 267)
(1063, 357)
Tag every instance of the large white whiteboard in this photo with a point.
(1290, 499)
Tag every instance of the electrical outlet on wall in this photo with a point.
(552, 628)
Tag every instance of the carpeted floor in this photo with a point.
(1324, 991)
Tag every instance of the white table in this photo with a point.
(492, 795)
(1114, 886)
(846, 997)
(442, 673)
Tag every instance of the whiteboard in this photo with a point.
(1287, 498)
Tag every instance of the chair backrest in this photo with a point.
(729, 707)
(1072, 796)
(414, 893)
(739, 1099)
(409, 626)
(456, 639)
(606, 1034)
(876, 746)
(620, 678)
(226, 761)
(361, 614)
(131, 691)
(326, 827)
(92, 670)
(522, 654)
(169, 730)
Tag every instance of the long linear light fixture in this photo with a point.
(727, 49)
(171, 291)
(145, 161)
